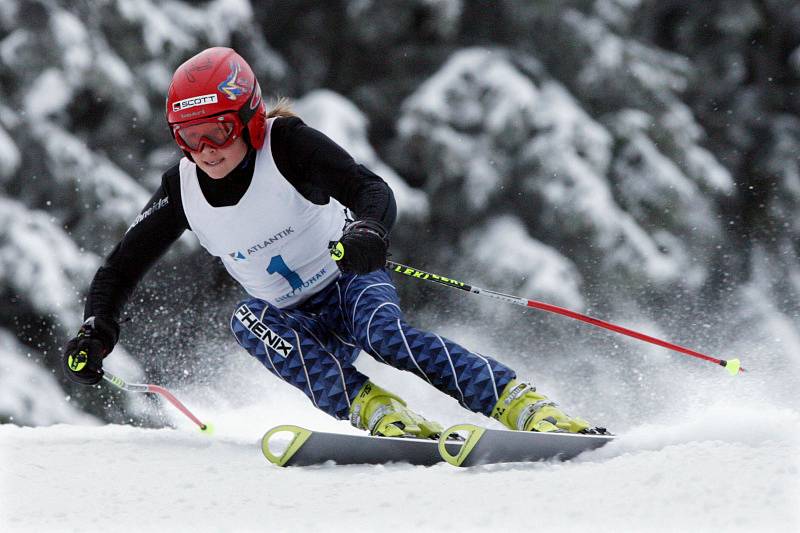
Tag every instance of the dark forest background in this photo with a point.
(636, 160)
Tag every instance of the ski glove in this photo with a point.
(362, 248)
(84, 354)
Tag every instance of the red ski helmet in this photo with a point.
(216, 85)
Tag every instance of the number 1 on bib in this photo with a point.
(278, 266)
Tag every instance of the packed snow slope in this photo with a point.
(729, 466)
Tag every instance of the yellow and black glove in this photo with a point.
(84, 354)
(362, 248)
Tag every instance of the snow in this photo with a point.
(644, 199)
(698, 163)
(390, 21)
(158, 76)
(49, 94)
(30, 391)
(118, 73)
(8, 13)
(725, 458)
(110, 198)
(158, 30)
(491, 135)
(562, 119)
(505, 243)
(626, 65)
(90, 62)
(41, 263)
(73, 41)
(181, 24)
(229, 15)
(471, 120)
(506, 90)
(762, 323)
(528, 157)
(9, 47)
(9, 155)
(460, 119)
(732, 470)
(794, 60)
(578, 201)
(346, 125)
(30, 394)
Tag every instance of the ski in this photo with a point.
(488, 446)
(307, 447)
(482, 446)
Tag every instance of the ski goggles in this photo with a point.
(219, 132)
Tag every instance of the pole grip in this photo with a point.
(427, 276)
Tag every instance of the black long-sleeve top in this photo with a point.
(315, 165)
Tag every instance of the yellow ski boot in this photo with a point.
(384, 414)
(522, 408)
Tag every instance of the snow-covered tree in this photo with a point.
(637, 159)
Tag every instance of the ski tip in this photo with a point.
(207, 428)
(473, 435)
(281, 458)
(734, 366)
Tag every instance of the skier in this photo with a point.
(272, 198)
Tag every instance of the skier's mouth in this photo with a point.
(214, 162)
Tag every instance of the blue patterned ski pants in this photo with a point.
(314, 345)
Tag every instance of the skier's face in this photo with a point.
(218, 162)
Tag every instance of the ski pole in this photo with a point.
(155, 389)
(733, 366)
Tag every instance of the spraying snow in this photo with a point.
(727, 467)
